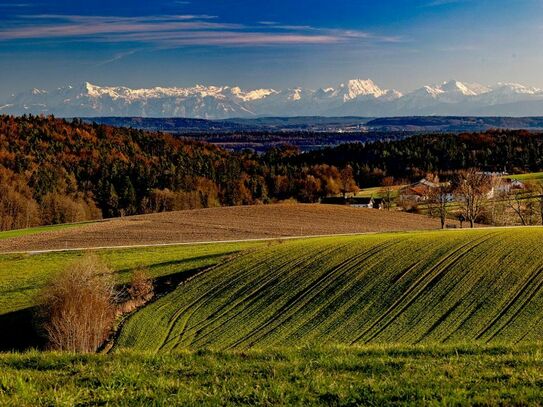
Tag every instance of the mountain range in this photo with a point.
(356, 97)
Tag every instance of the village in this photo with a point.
(494, 198)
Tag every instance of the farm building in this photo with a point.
(355, 202)
(507, 186)
(421, 191)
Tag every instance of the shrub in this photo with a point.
(78, 307)
(141, 287)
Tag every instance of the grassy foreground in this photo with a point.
(418, 375)
(483, 286)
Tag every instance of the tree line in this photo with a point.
(57, 171)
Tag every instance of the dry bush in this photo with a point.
(137, 293)
(141, 286)
(78, 306)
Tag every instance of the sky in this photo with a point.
(401, 44)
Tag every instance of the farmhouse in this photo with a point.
(421, 191)
(509, 185)
(355, 202)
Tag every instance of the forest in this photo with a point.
(57, 171)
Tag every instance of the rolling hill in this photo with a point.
(408, 288)
(216, 224)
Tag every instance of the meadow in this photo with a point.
(406, 318)
(342, 376)
(533, 176)
(10, 234)
(475, 286)
(23, 275)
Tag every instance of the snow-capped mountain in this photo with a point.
(356, 97)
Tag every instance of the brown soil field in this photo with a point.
(218, 224)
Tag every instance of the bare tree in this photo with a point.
(539, 191)
(474, 189)
(523, 202)
(438, 201)
(78, 308)
(141, 286)
(515, 201)
(535, 190)
(387, 191)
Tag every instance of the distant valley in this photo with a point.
(319, 124)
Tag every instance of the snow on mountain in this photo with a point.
(361, 97)
(357, 88)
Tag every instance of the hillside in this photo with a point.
(54, 171)
(428, 287)
(217, 224)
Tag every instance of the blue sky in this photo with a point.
(273, 43)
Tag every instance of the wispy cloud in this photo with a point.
(438, 3)
(14, 5)
(175, 30)
(117, 57)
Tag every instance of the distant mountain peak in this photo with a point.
(355, 88)
(355, 97)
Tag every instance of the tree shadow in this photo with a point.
(20, 332)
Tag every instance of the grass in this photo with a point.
(377, 192)
(481, 286)
(23, 275)
(40, 229)
(343, 376)
(533, 176)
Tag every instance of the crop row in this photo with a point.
(423, 287)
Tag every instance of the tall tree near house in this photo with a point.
(347, 183)
(387, 189)
(516, 201)
(538, 192)
(473, 188)
(523, 202)
(438, 200)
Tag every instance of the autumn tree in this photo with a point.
(347, 185)
(18, 209)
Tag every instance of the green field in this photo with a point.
(420, 318)
(428, 287)
(31, 231)
(533, 176)
(342, 376)
(23, 275)
(377, 192)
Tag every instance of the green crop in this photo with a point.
(427, 287)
